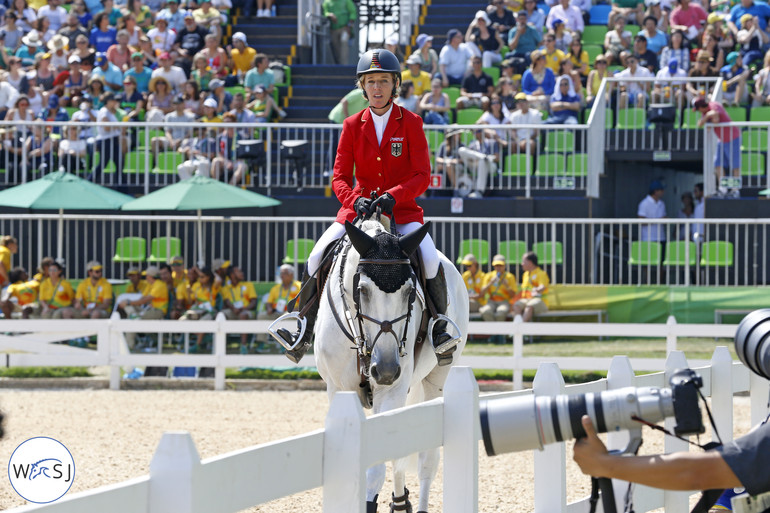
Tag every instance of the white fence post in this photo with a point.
(113, 349)
(674, 501)
(722, 393)
(550, 477)
(671, 337)
(518, 353)
(344, 473)
(619, 375)
(173, 474)
(461, 450)
(760, 397)
(220, 350)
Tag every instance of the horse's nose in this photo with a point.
(386, 375)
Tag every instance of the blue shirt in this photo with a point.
(27, 57)
(565, 114)
(657, 42)
(112, 75)
(94, 7)
(529, 85)
(759, 9)
(142, 79)
(727, 73)
(528, 41)
(101, 41)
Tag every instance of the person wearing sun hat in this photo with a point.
(161, 36)
(735, 91)
(32, 45)
(474, 281)
(483, 40)
(499, 290)
(426, 54)
(93, 298)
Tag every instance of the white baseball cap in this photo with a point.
(210, 102)
(239, 36)
(73, 58)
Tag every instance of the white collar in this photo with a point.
(380, 122)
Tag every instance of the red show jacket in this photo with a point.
(399, 166)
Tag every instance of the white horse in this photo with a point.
(385, 307)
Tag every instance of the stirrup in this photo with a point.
(301, 323)
(449, 344)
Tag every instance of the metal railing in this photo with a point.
(678, 252)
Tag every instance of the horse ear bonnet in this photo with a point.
(387, 277)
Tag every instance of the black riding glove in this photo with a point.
(386, 202)
(363, 206)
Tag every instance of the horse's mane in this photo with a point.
(387, 277)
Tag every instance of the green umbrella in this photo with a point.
(765, 192)
(200, 193)
(62, 191)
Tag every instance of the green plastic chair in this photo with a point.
(559, 141)
(130, 249)
(142, 134)
(158, 249)
(517, 164)
(752, 164)
(435, 138)
(690, 119)
(551, 164)
(453, 93)
(494, 72)
(677, 253)
(512, 250)
(645, 253)
(593, 51)
(634, 118)
(545, 250)
(594, 35)
(577, 164)
(167, 162)
(303, 248)
(135, 162)
(236, 89)
(755, 139)
(468, 116)
(479, 248)
(736, 113)
(717, 253)
(634, 29)
(760, 113)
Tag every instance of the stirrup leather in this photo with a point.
(301, 324)
(449, 344)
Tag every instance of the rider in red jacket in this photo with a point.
(386, 146)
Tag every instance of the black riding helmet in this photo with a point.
(380, 61)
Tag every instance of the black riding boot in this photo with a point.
(309, 291)
(437, 289)
(371, 506)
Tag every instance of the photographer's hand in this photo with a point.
(590, 452)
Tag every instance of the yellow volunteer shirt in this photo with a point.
(159, 293)
(497, 292)
(279, 296)
(202, 17)
(243, 60)
(183, 293)
(239, 295)
(179, 277)
(215, 119)
(533, 279)
(474, 283)
(58, 295)
(140, 288)
(205, 298)
(24, 292)
(88, 293)
(421, 82)
(5, 259)
(552, 61)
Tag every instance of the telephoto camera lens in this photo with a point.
(752, 342)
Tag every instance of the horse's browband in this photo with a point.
(403, 261)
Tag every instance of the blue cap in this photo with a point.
(101, 58)
(452, 33)
(656, 185)
(673, 64)
(53, 101)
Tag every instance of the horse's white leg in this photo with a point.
(426, 471)
(375, 478)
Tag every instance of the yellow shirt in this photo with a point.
(421, 82)
(202, 17)
(280, 296)
(183, 293)
(58, 296)
(88, 293)
(239, 295)
(159, 293)
(474, 284)
(243, 60)
(5, 259)
(533, 279)
(215, 119)
(179, 277)
(496, 292)
(140, 287)
(205, 298)
(553, 60)
(24, 292)
(37, 4)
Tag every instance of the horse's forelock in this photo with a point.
(387, 277)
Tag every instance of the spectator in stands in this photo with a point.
(136, 285)
(183, 291)
(484, 41)
(56, 294)
(210, 111)
(656, 38)
(173, 74)
(216, 57)
(626, 9)
(414, 74)
(565, 103)
(718, 27)
(499, 289)
(579, 58)
(728, 153)
(760, 10)
(525, 139)
(178, 138)
(653, 207)
(201, 73)
(72, 151)
(617, 40)
(481, 157)
(406, 97)
(26, 16)
(507, 93)
(702, 69)
(716, 54)
(135, 33)
(55, 112)
(86, 114)
(635, 93)
(426, 54)
(241, 55)
(699, 211)
(239, 300)
(570, 15)
(474, 282)
(226, 162)
(690, 18)
(435, 105)
(523, 39)
(242, 115)
(206, 300)
(159, 103)
(20, 112)
(140, 75)
(70, 32)
(676, 51)
(501, 19)
(260, 75)
(665, 89)
(39, 148)
(761, 94)
(495, 116)
(45, 76)
(538, 82)
(190, 40)
(342, 15)
(81, 12)
(447, 156)
(20, 296)
(110, 74)
(535, 15)
(351, 103)
(563, 37)
(8, 246)
(534, 288)
(178, 272)
(56, 57)
(392, 45)
(224, 98)
(93, 298)
(120, 54)
(55, 13)
(686, 212)
(84, 52)
(752, 39)
(11, 33)
(32, 45)
(595, 78)
(193, 100)
(35, 94)
(109, 140)
(646, 57)
(152, 305)
(553, 56)
(566, 68)
(279, 296)
(103, 35)
(209, 18)
(130, 98)
(735, 74)
(174, 15)
(453, 59)
(476, 87)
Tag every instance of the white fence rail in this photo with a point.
(337, 456)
